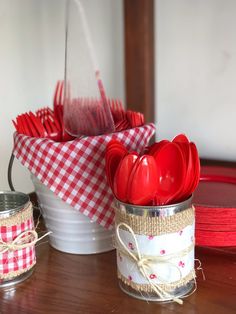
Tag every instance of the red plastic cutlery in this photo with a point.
(122, 176)
(143, 181)
(171, 170)
(115, 151)
(167, 173)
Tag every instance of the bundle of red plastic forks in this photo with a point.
(48, 123)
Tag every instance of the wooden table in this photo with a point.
(66, 283)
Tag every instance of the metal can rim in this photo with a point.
(22, 204)
(160, 210)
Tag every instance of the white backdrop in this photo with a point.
(32, 60)
(195, 68)
(196, 72)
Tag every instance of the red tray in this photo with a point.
(215, 203)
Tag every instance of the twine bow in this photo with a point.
(26, 239)
(144, 263)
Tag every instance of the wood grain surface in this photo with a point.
(66, 283)
(139, 56)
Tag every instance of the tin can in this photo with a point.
(17, 258)
(155, 250)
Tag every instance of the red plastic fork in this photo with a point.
(135, 118)
(58, 108)
(117, 110)
(58, 101)
(37, 124)
(122, 125)
(50, 123)
(30, 125)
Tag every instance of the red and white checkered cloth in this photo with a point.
(16, 262)
(75, 170)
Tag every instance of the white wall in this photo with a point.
(32, 60)
(195, 69)
(196, 72)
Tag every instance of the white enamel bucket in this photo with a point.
(72, 232)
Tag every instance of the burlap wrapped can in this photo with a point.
(18, 237)
(155, 250)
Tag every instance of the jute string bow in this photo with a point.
(144, 264)
(26, 239)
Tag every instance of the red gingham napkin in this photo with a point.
(16, 261)
(75, 170)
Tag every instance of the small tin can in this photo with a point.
(155, 250)
(17, 255)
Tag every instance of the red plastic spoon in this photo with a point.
(171, 170)
(122, 176)
(115, 151)
(142, 183)
(154, 148)
(196, 168)
(180, 138)
(184, 145)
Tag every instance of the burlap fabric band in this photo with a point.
(146, 225)
(18, 218)
(16, 273)
(166, 287)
